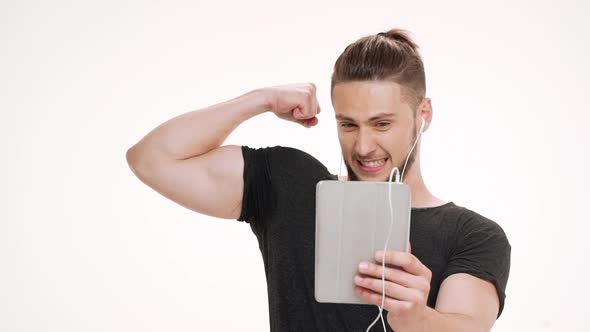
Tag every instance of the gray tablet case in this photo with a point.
(352, 219)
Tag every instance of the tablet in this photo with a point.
(352, 220)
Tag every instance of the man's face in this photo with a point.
(376, 128)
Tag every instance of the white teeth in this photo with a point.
(376, 163)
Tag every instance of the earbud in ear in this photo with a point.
(422, 125)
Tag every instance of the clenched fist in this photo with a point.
(294, 102)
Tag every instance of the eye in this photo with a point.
(382, 124)
(347, 125)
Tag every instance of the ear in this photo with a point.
(424, 111)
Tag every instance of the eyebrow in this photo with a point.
(373, 118)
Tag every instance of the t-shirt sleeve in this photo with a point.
(258, 197)
(482, 250)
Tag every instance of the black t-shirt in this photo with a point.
(279, 204)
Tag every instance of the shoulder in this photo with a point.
(473, 230)
(463, 227)
(461, 218)
(471, 221)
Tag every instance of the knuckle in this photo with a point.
(396, 309)
(389, 304)
(376, 285)
(388, 255)
(398, 274)
(390, 275)
(426, 287)
(406, 307)
(419, 298)
(377, 268)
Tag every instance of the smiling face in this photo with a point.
(376, 128)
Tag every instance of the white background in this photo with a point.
(86, 246)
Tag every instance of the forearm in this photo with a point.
(198, 132)
(434, 320)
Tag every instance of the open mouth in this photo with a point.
(372, 166)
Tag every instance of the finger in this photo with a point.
(312, 122)
(395, 275)
(303, 123)
(298, 113)
(391, 305)
(392, 290)
(308, 123)
(315, 106)
(404, 260)
(409, 247)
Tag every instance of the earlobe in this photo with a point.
(425, 112)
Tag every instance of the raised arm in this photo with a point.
(182, 158)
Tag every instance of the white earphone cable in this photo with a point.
(340, 168)
(412, 149)
(383, 258)
(398, 179)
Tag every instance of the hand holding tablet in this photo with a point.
(352, 220)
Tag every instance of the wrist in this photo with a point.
(248, 105)
(262, 100)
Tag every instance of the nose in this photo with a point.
(365, 143)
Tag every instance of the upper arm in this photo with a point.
(465, 294)
(478, 259)
(210, 184)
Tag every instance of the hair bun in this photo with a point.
(399, 35)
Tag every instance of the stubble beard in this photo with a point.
(352, 176)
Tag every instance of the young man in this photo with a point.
(455, 276)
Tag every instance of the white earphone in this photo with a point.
(422, 125)
(420, 131)
(398, 180)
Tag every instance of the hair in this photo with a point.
(388, 56)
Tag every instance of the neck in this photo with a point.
(421, 196)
